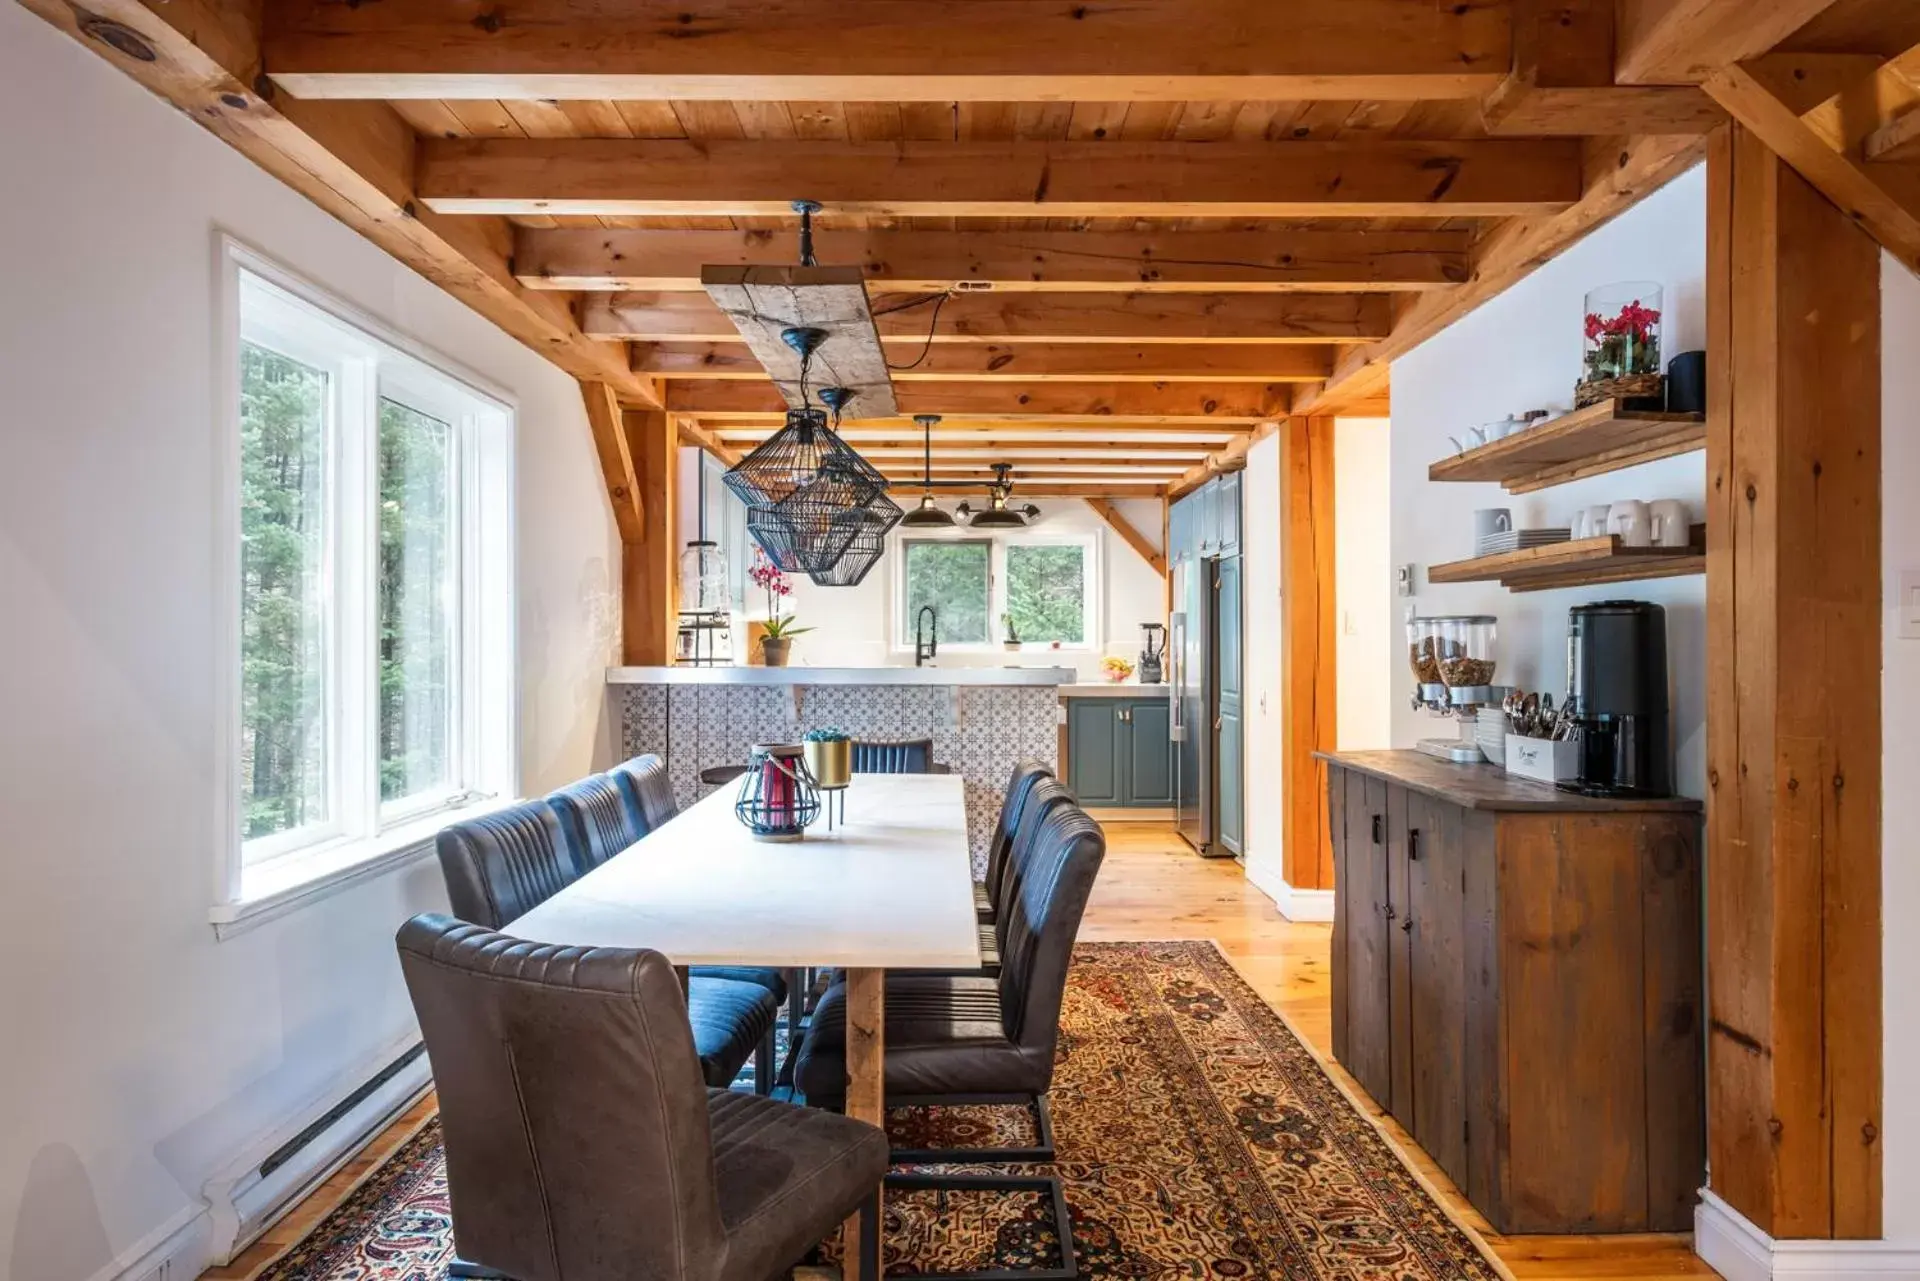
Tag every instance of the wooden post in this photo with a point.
(650, 608)
(1308, 643)
(866, 1056)
(1793, 701)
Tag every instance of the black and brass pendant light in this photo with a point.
(998, 514)
(928, 515)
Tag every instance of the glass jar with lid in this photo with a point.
(704, 588)
(1453, 650)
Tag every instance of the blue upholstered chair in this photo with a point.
(911, 756)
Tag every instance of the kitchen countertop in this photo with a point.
(1107, 689)
(931, 676)
(1482, 787)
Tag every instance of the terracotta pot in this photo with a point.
(774, 650)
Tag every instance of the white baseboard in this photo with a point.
(1739, 1251)
(177, 1250)
(1295, 905)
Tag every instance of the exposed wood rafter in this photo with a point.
(626, 177)
(1280, 259)
(1027, 362)
(1139, 402)
(1117, 521)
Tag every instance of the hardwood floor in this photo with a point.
(1153, 887)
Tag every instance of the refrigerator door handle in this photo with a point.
(1176, 676)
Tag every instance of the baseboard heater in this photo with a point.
(251, 1195)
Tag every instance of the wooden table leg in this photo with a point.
(866, 1088)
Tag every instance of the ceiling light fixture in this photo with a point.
(927, 515)
(997, 514)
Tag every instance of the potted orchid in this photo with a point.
(777, 633)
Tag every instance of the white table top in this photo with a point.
(891, 887)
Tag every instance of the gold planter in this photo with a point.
(831, 763)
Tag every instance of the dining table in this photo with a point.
(888, 885)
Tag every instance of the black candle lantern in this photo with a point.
(778, 794)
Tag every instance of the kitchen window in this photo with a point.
(371, 670)
(1044, 587)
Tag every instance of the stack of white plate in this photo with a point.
(1515, 539)
(1490, 732)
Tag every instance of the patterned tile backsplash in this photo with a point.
(982, 737)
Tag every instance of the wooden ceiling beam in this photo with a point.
(1683, 41)
(884, 51)
(748, 428)
(1026, 362)
(1148, 319)
(1045, 179)
(1232, 458)
(353, 159)
(1142, 546)
(692, 433)
(1140, 402)
(1882, 198)
(908, 451)
(1622, 172)
(1562, 81)
(1283, 258)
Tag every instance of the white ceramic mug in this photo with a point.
(1627, 521)
(1489, 521)
(1669, 523)
(1591, 522)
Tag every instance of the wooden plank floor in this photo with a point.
(1152, 887)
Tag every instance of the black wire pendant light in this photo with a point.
(806, 489)
(868, 545)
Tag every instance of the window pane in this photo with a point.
(283, 596)
(1047, 593)
(417, 585)
(953, 578)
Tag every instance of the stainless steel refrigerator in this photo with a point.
(1190, 691)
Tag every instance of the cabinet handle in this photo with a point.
(1377, 838)
(1126, 715)
(1406, 926)
(1413, 844)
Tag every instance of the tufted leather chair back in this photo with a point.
(649, 790)
(1040, 923)
(505, 864)
(598, 816)
(912, 756)
(578, 1145)
(1025, 775)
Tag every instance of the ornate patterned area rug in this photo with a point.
(1198, 1137)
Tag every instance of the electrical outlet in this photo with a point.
(1908, 604)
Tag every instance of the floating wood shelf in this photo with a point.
(1587, 442)
(1579, 563)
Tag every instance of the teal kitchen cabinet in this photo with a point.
(1230, 773)
(1226, 514)
(1120, 751)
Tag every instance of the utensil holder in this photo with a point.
(1545, 760)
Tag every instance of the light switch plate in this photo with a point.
(1403, 579)
(1908, 604)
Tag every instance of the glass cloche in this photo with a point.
(703, 579)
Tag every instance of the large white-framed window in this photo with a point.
(1043, 588)
(367, 557)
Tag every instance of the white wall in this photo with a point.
(1521, 351)
(853, 626)
(140, 1054)
(1900, 777)
(1363, 582)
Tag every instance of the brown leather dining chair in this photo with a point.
(581, 1143)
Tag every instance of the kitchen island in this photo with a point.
(982, 720)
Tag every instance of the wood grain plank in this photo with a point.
(1308, 645)
(866, 1049)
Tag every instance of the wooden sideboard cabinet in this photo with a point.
(1517, 979)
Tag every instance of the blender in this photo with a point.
(1154, 640)
(1453, 665)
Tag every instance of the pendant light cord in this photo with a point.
(939, 301)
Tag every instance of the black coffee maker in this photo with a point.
(1617, 678)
